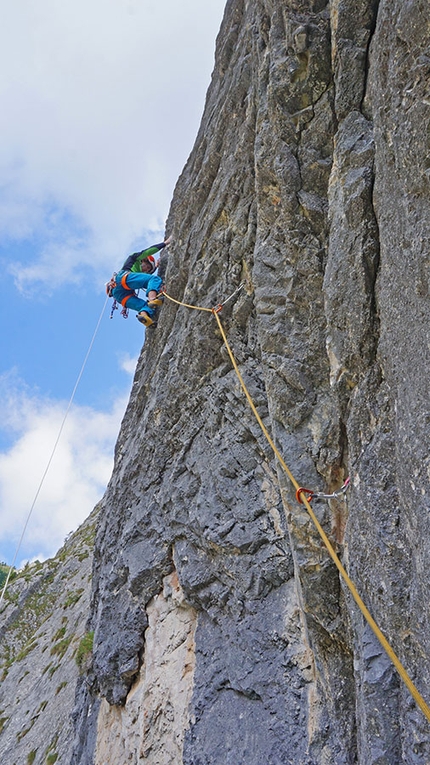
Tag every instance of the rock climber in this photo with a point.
(138, 273)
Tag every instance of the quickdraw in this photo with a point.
(114, 308)
(110, 286)
(220, 306)
(310, 495)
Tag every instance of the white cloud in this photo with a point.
(100, 106)
(127, 363)
(77, 476)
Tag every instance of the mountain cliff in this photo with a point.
(223, 632)
(44, 649)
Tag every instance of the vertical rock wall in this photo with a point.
(309, 184)
(152, 723)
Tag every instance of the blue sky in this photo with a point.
(100, 103)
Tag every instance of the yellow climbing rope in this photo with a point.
(348, 581)
(186, 305)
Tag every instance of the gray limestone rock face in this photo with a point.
(223, 632)
(308, 185)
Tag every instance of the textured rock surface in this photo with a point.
(151, 725)
(43, 621)
(309, 184)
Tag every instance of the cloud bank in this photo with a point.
(77, 476)
(100, 106)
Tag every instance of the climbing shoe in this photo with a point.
(144, 318)
(156, 302)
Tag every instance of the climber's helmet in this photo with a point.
(148, 265)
